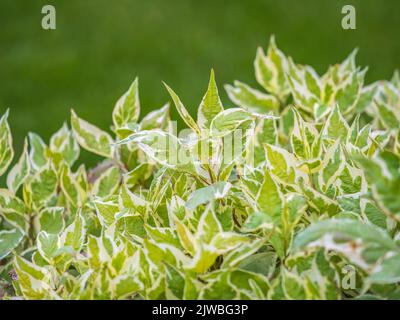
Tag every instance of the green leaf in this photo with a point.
(192, 288)
(130, 200)
(182, 111)
(293, 286)
(32, 280)
(235, 284)
(175, 282)
(48, 245)
(6, 147)
(387, 272)
(9, 240)
(63, 144)
(366, 98)
(127, 108)
(282, 165)
(336, 126)
(241, 254)
(227, 241)
(263, 263)
(362, 243)
(209, 226)
(141, 172)
(218, 190)
(258, 220)
(74, 234)
(210, 106)
(271, 70)
(134, 227)
(186, 238)
(157, 119)
(43, 187)
(108, 182)
(71, 188)
(252, 99)
(106, 211)
(305, 86)
(38, 151)
(270, 199)
(349, 91)
(229, 120)
(219, 288)
(20, 172)
(319, 201)
(91, 138)
(298, 139)
(163, 235)
(126, 286)
(374, 215)
(388, 115)
(382, 173)
(13, 210)
(332, 166)
(296, 204)
(51, 220)
(266, 131)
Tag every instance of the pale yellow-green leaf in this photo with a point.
(211, 104)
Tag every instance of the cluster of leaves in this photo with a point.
(321, 193)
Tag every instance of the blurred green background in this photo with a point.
(99, 46)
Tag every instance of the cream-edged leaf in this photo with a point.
(91, 138)
(6, 147)
(251, 99)
(20, 172)
(182, 110)
(127, 108)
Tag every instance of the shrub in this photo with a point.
(292, 194)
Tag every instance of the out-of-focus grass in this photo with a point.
(100, 46)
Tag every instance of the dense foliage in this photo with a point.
(305, 206)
